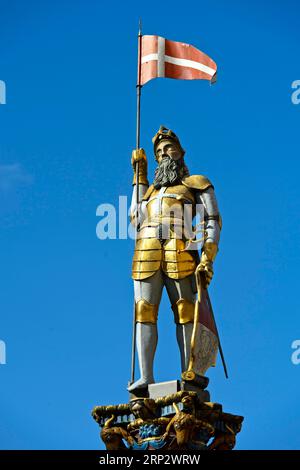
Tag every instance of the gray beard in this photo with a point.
(169, 172)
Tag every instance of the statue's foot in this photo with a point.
(140, 384)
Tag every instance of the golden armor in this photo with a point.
(163, 235)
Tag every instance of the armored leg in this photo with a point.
(181, 293)
(147, 298)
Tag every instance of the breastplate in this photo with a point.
(167, 210)
(164, 231)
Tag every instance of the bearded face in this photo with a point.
(171, 167)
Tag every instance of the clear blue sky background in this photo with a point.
(66, 135)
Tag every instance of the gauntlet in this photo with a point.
(209, 252)
(140, 156)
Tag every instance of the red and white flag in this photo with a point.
(163, 58)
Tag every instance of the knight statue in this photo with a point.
(162, 256)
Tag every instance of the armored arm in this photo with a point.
(212, 228)
(140, 156)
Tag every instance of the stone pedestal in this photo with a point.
(162, 389)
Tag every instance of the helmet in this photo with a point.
(166, 134)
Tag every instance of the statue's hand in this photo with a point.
(205, 267)
(138, 155)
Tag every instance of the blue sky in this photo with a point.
(66, 135)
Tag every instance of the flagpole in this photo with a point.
(138, 127)
(138, 89)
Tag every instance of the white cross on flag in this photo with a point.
(163, 58)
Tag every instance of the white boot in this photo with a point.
(146, 342)
(184, 336)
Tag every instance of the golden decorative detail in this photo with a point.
(142, 177)
(183, 425)
(147, 255)
(174, 397)
(210, 250)
(197, 182)
(108, 410)
(144, 269)
(188, 375)
(149, 439)
(147, 258)
(147, 244)
(145, 312)
(140, 157)
(183, 311)
(166, 215)
(200, 423)
(143, 408)
(112, 436)
(220, 221)
(172, 203)
(139, 422)
(173, 245)
(192, 425)
(183, 263)
(172, 256)
(150, 256)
